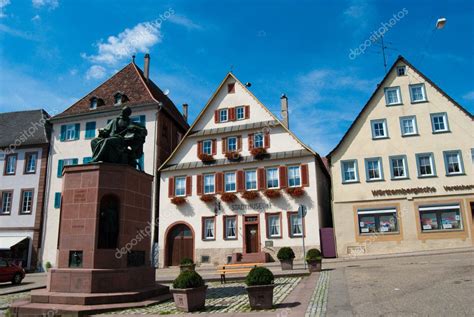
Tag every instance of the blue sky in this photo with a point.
(52, 52)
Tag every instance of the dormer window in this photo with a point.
(94, 102)
(401, 70)
(119, 98)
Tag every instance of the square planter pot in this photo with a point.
(184, 268)
(314, 266)
(286, 265)
(189, 299)
(261, 296)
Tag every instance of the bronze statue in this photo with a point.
(121, 141)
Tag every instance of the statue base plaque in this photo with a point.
(103, 258)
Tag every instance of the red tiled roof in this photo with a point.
(131, 82)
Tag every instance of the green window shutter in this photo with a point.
(57, 200)
(142, 120)
(77, 131)
(86, 160)
(60, 168)
(75, 161)
(90, 130)
(141, 162)
(63, 133)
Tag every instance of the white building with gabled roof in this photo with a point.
(230, 191)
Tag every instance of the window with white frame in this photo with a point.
(408, 126)
(417, 93)
(10, 167)
(231, 227)
(209, 229)
(229, 181)
(392, 96)
(425, 163)
(232, 144)
(274, 230)
(26, 202)
(209, 184)
(453, 162)
(373, 168)
(251, 180)
(223, 115)
(294, 176)
(377, 220)
(70, 132)
(401, 70)
(93, 104)
(240, 113)
(272, 177)
(258, 140)
(445, 218)
(207, 147)
(6, 206)
(349, 171)
(379, 129)
(398, 167)
(296, 225)
(180, 186)
(31, 159)
(439, 122)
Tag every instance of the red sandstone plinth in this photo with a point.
(117, 272)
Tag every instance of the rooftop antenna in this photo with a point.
(231, 68)
(383, 53)
(133, 58)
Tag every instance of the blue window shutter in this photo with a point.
(77, 130)
(57, 200)
(75, 161)
(63, 133)
(141, 162)
(90, 130)
(86, 160)
(60, 168)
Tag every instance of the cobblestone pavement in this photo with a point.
(221, 298)
(6, 300)
(318, 301)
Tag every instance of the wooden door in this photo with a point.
(251, 236)
(180, 245)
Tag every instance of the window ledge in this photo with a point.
(364, 234)
(375, 180)
(442, 230)
(441, 132)
(380, 138)
(410, 135)
(351, 182)
(427, 176)
(457, 174)
(400, 179)
(394, 104)
(421, 101)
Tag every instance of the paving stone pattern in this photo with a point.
(318, 302)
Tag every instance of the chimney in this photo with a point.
(185, 111)
(146, 68)
(284, 111)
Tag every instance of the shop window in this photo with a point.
(377, 221)
(444, 218)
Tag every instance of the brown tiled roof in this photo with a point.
(131, 82)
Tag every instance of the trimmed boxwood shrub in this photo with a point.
(313, 255)
(188, 279)
(285, 253)
(186, 261)
(259, 276)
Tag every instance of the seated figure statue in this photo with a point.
(121, 141)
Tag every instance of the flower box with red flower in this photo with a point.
(250, 194)
(233, 156)
(258, 152)
(208, 198)
(272, 193)
(295, 191)
(178, 200)
(206, 158)
(228, 197)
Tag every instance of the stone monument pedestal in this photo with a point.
(103, 258)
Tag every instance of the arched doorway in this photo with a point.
(179, 243)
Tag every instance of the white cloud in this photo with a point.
(3, 4)
(96, 72)
(184, 21)
(17, 33)
(469, 96)
(50, 4)
(138, 39)
(36, 18)
(359, 13)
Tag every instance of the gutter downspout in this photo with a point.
(156, 196)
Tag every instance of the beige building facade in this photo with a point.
(402, 176)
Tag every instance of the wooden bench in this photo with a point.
(235, 269)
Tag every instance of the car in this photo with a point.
(10, 272)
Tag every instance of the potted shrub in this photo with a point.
(258, 152)
(286, 256)
(260, 288)
(187, 264)
(48, 266)
(189, 291)
(206, 158)
(295, 191)
(233, 156)
(250, 194)
(228, 197)
(314, 259)
(178, 200)
(208, 198)
(272, 193)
